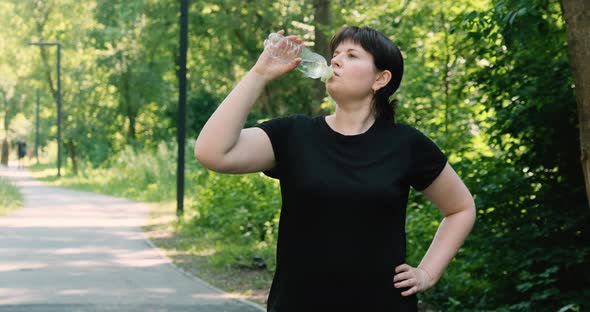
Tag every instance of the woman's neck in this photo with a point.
(351, 120)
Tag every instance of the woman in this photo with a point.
(345, 180)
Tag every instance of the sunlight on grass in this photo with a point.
(43, 172)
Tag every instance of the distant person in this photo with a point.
(345, 180)
(22, 152)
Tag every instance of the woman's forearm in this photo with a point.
(449, 237)
(222, 131)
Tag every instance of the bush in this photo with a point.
(242, 208)
(143, 175)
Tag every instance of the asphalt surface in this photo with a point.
(70, 251)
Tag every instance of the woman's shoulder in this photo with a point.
(398, 128)
(406, 128)
(291, 118)
(282, 119)
(405, 133)
(287, 123)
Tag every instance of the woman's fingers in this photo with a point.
(405, 277)
(402, 268)
(295, 62)
(287, 49)
(410, 291)
(278, 58)
(406, 283)
(402, 276)
(416, 279)
(409, 277)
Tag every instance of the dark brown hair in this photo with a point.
(386, 55)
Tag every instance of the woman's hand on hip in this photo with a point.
(415, 279)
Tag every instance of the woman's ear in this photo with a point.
(382, 80)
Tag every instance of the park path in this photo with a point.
(70, 251)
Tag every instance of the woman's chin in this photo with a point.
(332, 89)
(331, 93)
(337, 92)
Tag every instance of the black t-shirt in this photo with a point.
(342, 223)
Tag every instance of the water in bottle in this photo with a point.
(312, 64)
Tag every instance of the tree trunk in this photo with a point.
(322, 18)
(4, 153)
(129, 104)
(73, 157)
(42, 11)
(131, 135)
(6, 116)
(577, 18)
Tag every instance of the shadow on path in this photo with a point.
(78, 251)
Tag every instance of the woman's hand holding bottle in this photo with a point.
(269, 67)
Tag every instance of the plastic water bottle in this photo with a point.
(312, 64)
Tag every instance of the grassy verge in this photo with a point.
(10, 198)
(198, 251)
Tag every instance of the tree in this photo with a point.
(531, 191)
(577, 18)
(135, 69)
(13, 59)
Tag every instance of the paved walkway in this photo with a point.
(72, 251)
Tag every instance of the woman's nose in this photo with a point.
(335, 62)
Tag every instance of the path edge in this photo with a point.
(163, 255)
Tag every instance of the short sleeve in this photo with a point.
(277, 131)
(427, 161)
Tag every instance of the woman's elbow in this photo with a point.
(471, 210)
(466, 209)
(198, 151)
(205, 157)
(211, 160)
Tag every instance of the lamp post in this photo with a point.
(37, 129)
(58, 99)
(181, 107)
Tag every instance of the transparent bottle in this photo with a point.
(312, 64)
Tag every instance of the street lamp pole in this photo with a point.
(37, 129)
(58, 99)
(181, 137)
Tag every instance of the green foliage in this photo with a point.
(249, 256)
(155, 172)
(242, 208)
(148, 176)
(10, 198)
(531, 192)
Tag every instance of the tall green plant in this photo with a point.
(532, 192)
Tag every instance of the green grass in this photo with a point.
(102, 181)
(10, 198)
